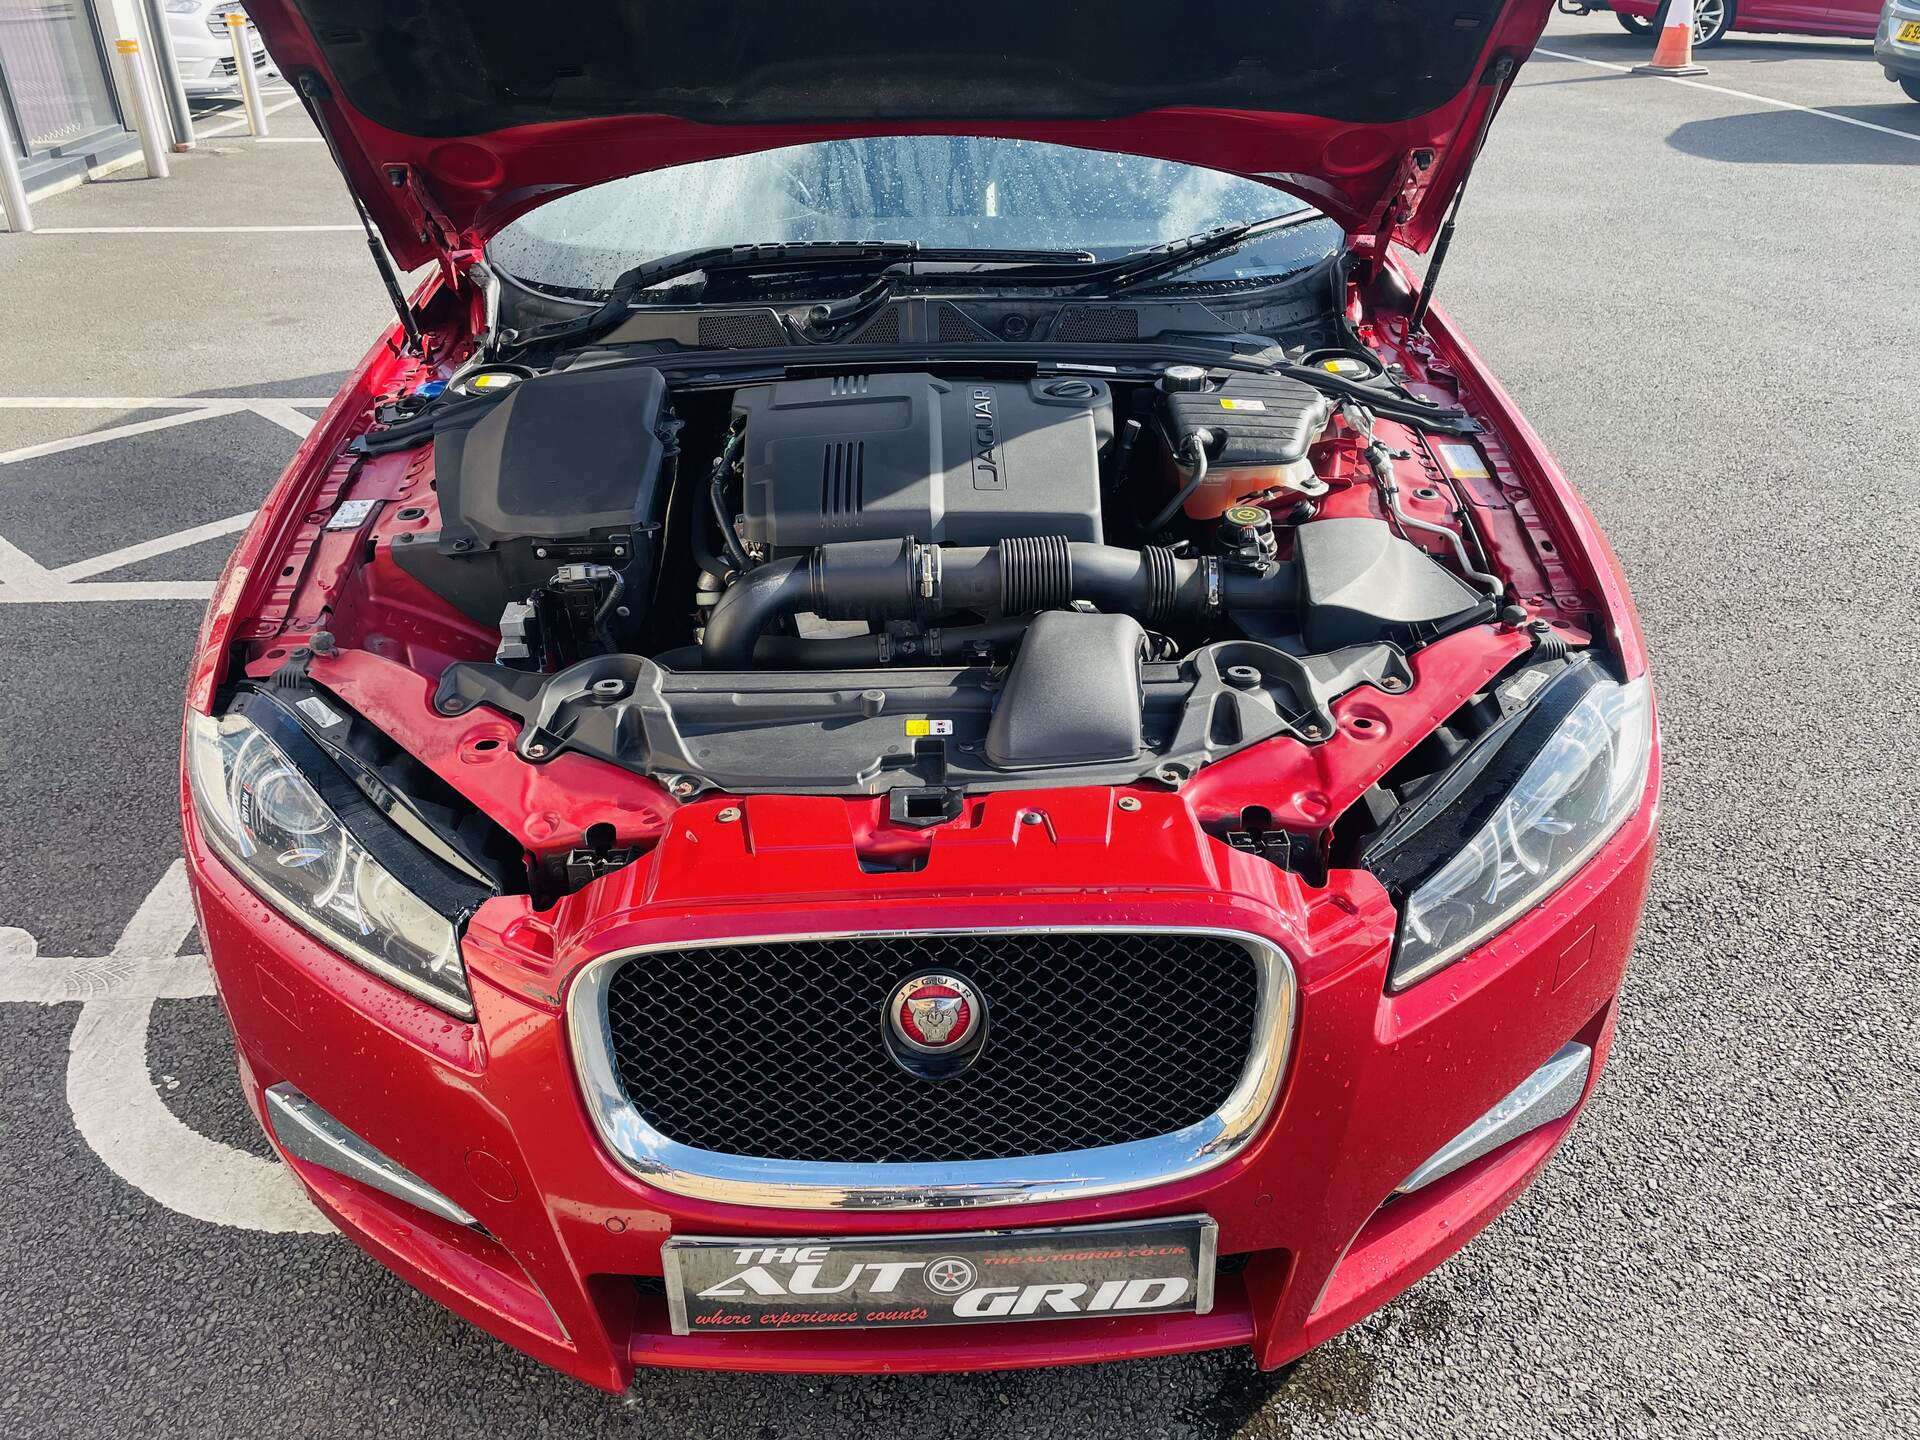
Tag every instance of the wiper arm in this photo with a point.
(795, 255)
(1137, 267)
(1144, 266)
(783, 257)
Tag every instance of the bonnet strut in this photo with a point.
(1497, 78)
(313, 90)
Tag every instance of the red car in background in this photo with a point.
(1714, 20)
(920, 714)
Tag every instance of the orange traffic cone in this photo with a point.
(1674, 54)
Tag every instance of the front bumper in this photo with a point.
(206, 62)
(562, 1258)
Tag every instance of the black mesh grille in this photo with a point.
(1090, 323)
(739, 330)
(777, 1050)
(883, 330)
(957, 329)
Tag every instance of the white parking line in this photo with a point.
(119, 432)
(140, 402)
(25, 581)
(1737, 94)
(147, 549)
(110, 1089)
(233, 125)
(186, 229)
(280, 412)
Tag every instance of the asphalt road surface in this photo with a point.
(1706, 298)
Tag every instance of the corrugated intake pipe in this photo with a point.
(882, 580)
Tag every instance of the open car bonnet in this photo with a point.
(451, 119)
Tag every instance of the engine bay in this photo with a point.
(912, 576)
(874, 579)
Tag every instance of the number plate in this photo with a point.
(1158, 1267)
(1908, 33)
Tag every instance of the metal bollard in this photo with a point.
(243, 70)
(13, 195)
(146, 115)
(168, 64)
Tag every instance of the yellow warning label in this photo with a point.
(1463, 462)
(1227, 403)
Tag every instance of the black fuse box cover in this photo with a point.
(561, 455)
(944, 460)
(568, 467)
(1255, 419)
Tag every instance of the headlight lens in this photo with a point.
(183, 7)
(280, 837)
(1577, 791)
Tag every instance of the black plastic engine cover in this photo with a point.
(958, 462)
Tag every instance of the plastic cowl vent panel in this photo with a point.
(1093, 324)
(741, 330)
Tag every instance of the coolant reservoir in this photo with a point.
(1262, 428)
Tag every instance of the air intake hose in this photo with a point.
(882, 580)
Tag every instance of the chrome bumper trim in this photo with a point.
(815, 1185)
(309, 1133)
(1546, 1095)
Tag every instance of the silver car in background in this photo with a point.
(203, 48)
(1897, 45)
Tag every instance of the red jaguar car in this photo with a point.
(1714, 20)
(920, 714)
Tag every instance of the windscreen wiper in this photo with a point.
(630, 283)
(785, 257)
(1136, 267)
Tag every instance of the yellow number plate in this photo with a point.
(1908, 33)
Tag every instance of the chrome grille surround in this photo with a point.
(681, 1169)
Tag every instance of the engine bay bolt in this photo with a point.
(1129, 802)
(728, 815)
(609, 689)
(1243, 677)
(322, 642)
(536, 751)
(872, 702)
(681, 787)
(1312, 732)
(1392, 684)
(1032, 817)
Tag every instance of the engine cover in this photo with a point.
(958, 462)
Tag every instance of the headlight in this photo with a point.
(264, 818)
(1578, 788)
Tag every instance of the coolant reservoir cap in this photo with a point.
(486, 382)
(1176, 378)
